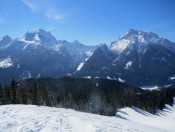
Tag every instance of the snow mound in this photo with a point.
(129, 65)
(172, 78)
(47, 119)
(80, 66)
(108, 77)
(121, 80)
(149, 87)
(88, 77)
(5, 63)
(163, 120)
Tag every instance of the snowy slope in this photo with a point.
(34, 118)
(5, 63)
(141, 39)
(149, 88)
(163, 120)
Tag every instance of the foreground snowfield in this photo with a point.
(30, 118)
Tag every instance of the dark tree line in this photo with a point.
(19, 94)
(149, 100)
(98, 96)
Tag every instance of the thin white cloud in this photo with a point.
(30, 4)
(53, 14)
(35, 6)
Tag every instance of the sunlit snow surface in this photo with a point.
(172, 78)
(5, 63)
(128, 65)
(22, 118)
(121, 80)
(80, 66)
(149, 87)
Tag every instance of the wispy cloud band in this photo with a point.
(53, 14)
(30, 4)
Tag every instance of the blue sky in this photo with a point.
(88, 21)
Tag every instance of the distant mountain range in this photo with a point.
(39, 54)
(138, 58)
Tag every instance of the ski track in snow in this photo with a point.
(30, 118)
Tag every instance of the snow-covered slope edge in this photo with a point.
(35, 118)
(163, 120)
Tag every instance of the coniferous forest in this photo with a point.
(99, 96)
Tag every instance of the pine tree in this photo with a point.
(13, 91)
(22, 92)
(35, 93)
(46, 95)
(25, 98)
(1, 96)
(7, 95)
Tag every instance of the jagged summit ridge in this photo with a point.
(139, 39)
(39, 36)
(4, 41)
(38, 53)
(136, 33)
(6, 37)
(138, 58)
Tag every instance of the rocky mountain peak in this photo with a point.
(5, 40)
(39, 36)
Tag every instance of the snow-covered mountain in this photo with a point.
(137, 57)
(139, 39)
(39, 54)
(35, 118)
(99, 64)
(39, 36)
(77, 50)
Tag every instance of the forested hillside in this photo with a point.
(100, 96)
